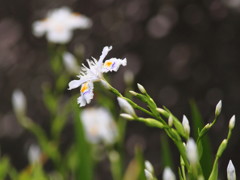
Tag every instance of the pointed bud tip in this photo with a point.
(126, 116)
(126, 107)
(218, 108)
(133, 93)
(141, 88)
(161, 110)
(231, 174)
(170, 121)
(186, 126)
(232, 122)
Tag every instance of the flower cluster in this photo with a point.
(59, 23)
(93, 73)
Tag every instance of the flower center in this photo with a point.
(59, 28)
(94, 130)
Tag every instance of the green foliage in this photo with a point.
(79, 159)
(4, 167)
(166, 154)
(84, 159)
(205, 154)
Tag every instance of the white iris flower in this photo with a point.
(99, 125)
(59, 23)
(93, 73)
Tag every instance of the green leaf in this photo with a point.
(180, 174)
(204, 146)
(84, 155)
(61, 82)
(140, 161)
(49, 99)
(166, 155)
(115, 165)
(4, 167)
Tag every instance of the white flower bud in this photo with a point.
(19, 102)
(133, 93)
(191, 150)
(160, 110)
(207, 126)
(232, 122)
(168, 174)
(141, 88)
(34, 154)
(170, 121)
(126, 107)
(148, 174)
(218, 108)
(149, 166)
(185, 124)
(126, 116)
(70, 63)
(231, 174)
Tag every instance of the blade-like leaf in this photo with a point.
(204, 146)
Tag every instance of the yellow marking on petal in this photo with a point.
(44, 20)
(76, 14)
(94, 130)
(84, 87)
(59, 28)
(108, 63)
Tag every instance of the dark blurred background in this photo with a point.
(178, 50)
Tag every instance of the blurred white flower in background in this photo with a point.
(93, 73)
(235, 4)
(99, 125)
(70, 63)
(59, 24)
(128, 77)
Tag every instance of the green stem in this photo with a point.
(115, 91)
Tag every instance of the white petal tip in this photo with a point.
(124, 62)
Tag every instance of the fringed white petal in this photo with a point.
(39, 28)
(81, 101)
(74, 84)
(105, 51)
(113, 64)
(56, 36)
(86, 94)
(79, 21)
